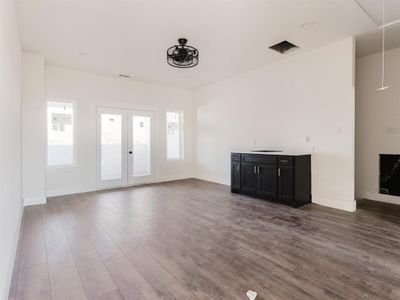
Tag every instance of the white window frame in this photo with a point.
(181, 135)
(73, 165)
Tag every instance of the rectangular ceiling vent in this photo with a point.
(284, 47)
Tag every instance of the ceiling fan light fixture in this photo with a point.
(182, 55)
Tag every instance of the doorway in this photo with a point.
(124, 147)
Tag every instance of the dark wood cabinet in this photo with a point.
(235, 175)
(285, 184)
(267, 180)
(286, 179)
(249, 177)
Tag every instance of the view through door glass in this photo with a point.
(111, 146)
(141, 142)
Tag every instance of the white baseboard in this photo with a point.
(82, 189)
(350, 205)
(212, 179)
(69, 191)
(28, 201)
(329, 202)
(382, 198)
(174, 177)
(11, 263)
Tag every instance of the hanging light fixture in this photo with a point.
(383, 86)
(182, 55)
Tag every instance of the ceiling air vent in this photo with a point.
(284, 47)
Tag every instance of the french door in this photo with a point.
(124, 147)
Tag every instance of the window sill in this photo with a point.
(52, 169)
(174, 159)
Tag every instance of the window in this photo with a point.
(60, 134)
(174, 135)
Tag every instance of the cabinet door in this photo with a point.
(268, 180)
(249, 177)
(285, 183)
(235, 175)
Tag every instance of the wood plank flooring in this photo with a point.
(192, 239)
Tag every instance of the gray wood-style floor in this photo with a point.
(195, 240)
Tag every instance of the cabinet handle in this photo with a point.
(258, 169)
(255, 169)
(238, 167)
(279, 171)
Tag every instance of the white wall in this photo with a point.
(10, 142)
(33, 130)
(89, 91)
(310, 94)
(377, 121)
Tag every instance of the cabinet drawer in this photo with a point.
(286, 160)
(235, 156)
(268, 159)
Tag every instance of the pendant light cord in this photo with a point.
(383, 87)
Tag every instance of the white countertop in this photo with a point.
(284, 153)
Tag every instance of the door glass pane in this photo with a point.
(111, 146)
(141, 146)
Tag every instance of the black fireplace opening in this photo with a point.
(389, 174)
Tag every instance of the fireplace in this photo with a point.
(389, 174)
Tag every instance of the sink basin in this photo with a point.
(266, 150)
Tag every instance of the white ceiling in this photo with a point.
(374, 9)
(131, 36)
(371, 42)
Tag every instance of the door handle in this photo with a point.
(255, 169)
(238, 167)
(279, 171)
(258, 169)
(130, 152)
